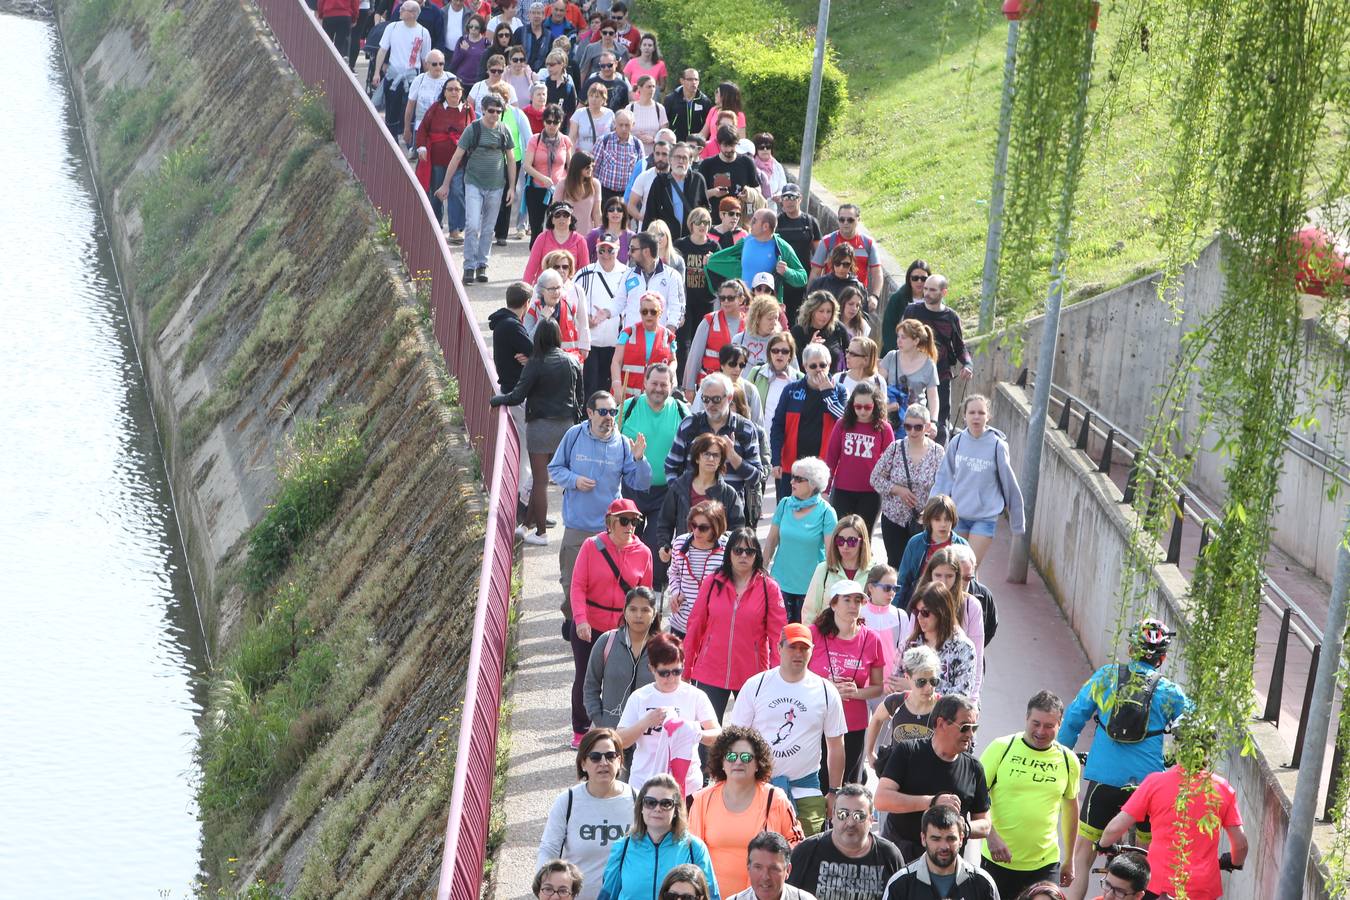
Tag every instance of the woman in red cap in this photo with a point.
(607, 568)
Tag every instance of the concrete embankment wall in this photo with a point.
(1079, 544)
(263, 301)
(1117, 351)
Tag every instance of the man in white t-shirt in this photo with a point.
(601, 287)
(406, 45)
(793, 708)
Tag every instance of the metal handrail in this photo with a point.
(1190, 507)
(392, 188)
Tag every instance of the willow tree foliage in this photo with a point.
(1257, 90)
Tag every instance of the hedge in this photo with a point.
(756, 44)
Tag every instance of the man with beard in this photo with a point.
(847, 862)
(940, 873)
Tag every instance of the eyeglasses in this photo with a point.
(713, 399)
(731, 212)
(648, 312)
(436, 65)
(856, 353)
(608, 32)
(843, 263)
(816, 367)
(681, 895)
(864, 407)
(553, 121)
(884, 588)
(613, 411)
(701, 527)
(743, 756)
(743, 550)
(596, 756)
(666, 803)
(798, 479)
(607, 65)
(781, 351)
(843, 541)
(857, 815)
(548, 890)
(669, 673)
(923, 612)
(711, 454)
(1110, 890)
(925, 682)
(733, 364)
(848, 218)
(915, 426)
(969, 727)
(517, 59)
(628, 521)
(474, 28)
(728, 297)
(495, 71)
(918, 278)
(562, 214)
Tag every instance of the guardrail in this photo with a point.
(1189, 510)
(392, 188)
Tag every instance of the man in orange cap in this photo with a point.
(793, 708)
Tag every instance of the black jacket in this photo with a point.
(915, 883)
(550, 387)
(509, 337)
(834, 285)
(686, 117)
(675, 509)
(986, 597)
(660, 206)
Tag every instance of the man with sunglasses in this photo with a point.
(936, 770)
(601, 287)
(847, 862)
(868, 264)
(744, 464)
(1033, 789)
(762, 252)
(797, 711)
(606, 74)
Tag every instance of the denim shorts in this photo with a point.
(981, 527)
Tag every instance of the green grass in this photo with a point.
(916, 149)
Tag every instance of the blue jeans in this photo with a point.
(454, 205)
(480, 217)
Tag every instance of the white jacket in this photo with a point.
(601, 290)
(665, 281)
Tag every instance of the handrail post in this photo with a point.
(1086, 431)
(1306, 709)
(1132, 479)
(1275, 696)
(1107, 450)
(1178, 520)
(1065, 412)
(1022, 377)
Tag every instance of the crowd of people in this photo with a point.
(695, 364)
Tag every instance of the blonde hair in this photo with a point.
(856, 523)
(552, 259)
(921, 334)
(659, 229)
(761, 306)
(870, 351)
(699, 215)
(814, 301)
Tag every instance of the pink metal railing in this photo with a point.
(393, 189)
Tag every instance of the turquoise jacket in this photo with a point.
(637, 866)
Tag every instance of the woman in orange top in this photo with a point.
(739, 805)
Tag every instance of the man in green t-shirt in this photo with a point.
(1033, 788)
(485, 150)
(658, 415)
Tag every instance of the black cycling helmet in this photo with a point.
(1149, 639)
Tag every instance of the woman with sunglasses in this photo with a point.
(735, 621)
(425, 90)
(847, 557)
(668, 697)
(639, 345)
(728, 229)
(499, 44)
(739, 804)
(903, 478)
(550, 388)
(772, 176)
(684, 882)
(715, 331)
(546, 158)
(695, 247)
(587, 818)
(779, 369)
(470, 51)
(618, 664)
(935, 626)
(560, 234)
(801, 523)
(839, 273)
(944, 568)
(910, 369)
(909, 291)
(890, 623)
(519, 75)
(694, 556)
(494, 68)
(907, 713)
(698, 484)
(818, 323)
(849, 654)
(731, 360)
(562, 90)
(437, 137)
(588, 56)
(658, 843)
(615, 222)
(856, 445)
(608, 566)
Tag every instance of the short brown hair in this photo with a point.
(704, 442)
(593, 737)
(714, 512)
(557, 865)
(938, 505)
(730, 735)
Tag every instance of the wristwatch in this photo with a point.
(833, 790)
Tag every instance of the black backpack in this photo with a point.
(1131, 706)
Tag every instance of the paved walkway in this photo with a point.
(1034, 649)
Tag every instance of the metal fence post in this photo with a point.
(993, 243)
(813, 103)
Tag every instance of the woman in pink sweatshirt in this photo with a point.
(559, 234)
(735, 623)
(856, 444)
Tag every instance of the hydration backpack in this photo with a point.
(1131, 705)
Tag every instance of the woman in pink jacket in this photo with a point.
(608, 566)
(735, 623)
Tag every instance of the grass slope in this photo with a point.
(916, 149)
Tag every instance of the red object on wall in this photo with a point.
(1014, 11)
(1321, 263)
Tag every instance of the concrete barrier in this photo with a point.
(1079, 543)
(1119, 349)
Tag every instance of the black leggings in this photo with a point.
(895, 537)
(863, 503)
(339, 31)
(581, 657)
(853, 746)
(536, 207)
(363, 26)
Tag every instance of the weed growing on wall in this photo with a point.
(312, 112)
(322, 458)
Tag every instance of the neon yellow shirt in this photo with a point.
(1026, 786)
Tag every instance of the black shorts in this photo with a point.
(1099, 806)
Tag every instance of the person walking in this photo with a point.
(687, 107)
(910, 370)
(694, 556)
(560, 235)
(618, 662)
(938, 519)
(656, 415)
(485, 151)
(658, 842)
(761, 324)
(436, 139)
(907, 713)
(647, 273)
(855, 446)
(618, 155)
(938, 864)
(551, 302)
(867, 267)
(777, 372)
(952, 352)
(910, 289)
(405, 45)
(806, 414)
(860, 367)
(641, 346)
(849, 653)
(589, 817)
(695, 247)
(847, 556)
(600, 285)
(615, 222)
(944, 568)
(848, 861)
(818, 323)
(1033, 788)
(589, 123)
(802, 232)
(796, 541)
(550, 387)
(546, 159)
(768, 862)
(674, 196)
(977, 473)
(933, 614)
(700, 483)
(716, 331)
(762, 251)
(608, 566)
(734, 620)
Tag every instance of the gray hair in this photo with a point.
(623, 115)
(718, 379)
(815, 351)
(921, 659)
(918, 411)
(547, 278)
(853, 789)
(963, 553)
(667, 136)
(537, 5)
(811, 468)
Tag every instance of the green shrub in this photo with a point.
(313, 114)
(323, 458)
(756, 44)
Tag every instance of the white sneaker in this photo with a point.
(537, 539)
(520, 531)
